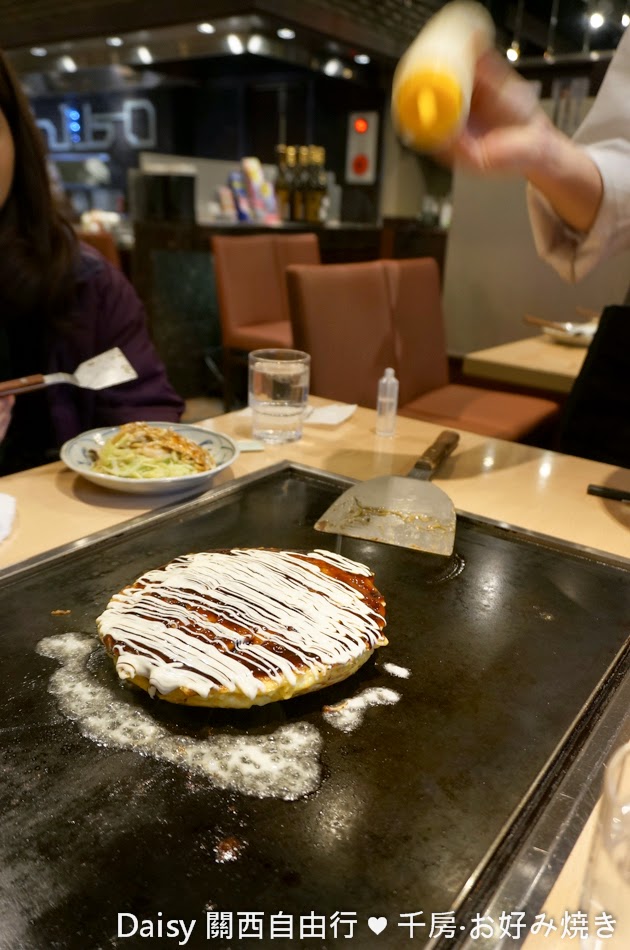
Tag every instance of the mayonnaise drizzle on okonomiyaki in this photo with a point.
(245, 626)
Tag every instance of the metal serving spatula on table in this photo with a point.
(100, 372)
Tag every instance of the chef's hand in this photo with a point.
(508, 132)
(6, 407)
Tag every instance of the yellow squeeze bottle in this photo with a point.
(433, 81)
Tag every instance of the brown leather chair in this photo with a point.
(104, 244)
(356, 319)
(341, 316)
(252, 295)
(422, 361)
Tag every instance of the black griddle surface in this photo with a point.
(504, 656)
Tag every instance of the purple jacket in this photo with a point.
(108, 313)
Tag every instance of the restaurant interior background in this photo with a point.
(129, 94)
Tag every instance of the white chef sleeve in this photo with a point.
(605, 135)
(574, 254)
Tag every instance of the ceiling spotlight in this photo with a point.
(513, 52)
(625, 20)
(114, 41)
(362, 59)
(39, 51)
(144, 55)
(596, 20)
(68, 64)
(333, 67)
(235, 44)
(286, 33)
(255, 43)
(205, 28)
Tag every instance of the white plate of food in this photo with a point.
(572, 334)
(150, 458)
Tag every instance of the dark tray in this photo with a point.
(515, 647)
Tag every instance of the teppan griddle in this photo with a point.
(515, 650)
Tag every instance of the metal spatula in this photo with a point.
(406, 511)
(100, 372)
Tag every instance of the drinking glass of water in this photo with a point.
(277, 393)
(606, 890)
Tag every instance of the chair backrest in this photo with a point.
(340, 314)
(104, 243)
(595, 421)
(295, 249)
(418, 325)
(250, 276)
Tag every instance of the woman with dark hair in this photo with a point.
(60, 303)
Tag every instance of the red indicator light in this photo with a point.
(360, 164)
(361, 125)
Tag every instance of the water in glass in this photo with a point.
(278, 392)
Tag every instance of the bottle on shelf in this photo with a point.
(324, 185)
(387, 403)
(291, 176)
(284, 185)
(318, 186)
(301, 184)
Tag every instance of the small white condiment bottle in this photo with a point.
(387, 403)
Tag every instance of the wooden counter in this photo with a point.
(532, 363)
(535, 489)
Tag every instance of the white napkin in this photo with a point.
(332, 415)
(329, 415)
(7, 515)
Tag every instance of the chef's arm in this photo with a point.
(570, 181)
(508, 132)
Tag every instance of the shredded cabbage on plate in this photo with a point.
(139, 450)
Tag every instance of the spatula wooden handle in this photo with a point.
(22, 385)
(432, 458)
